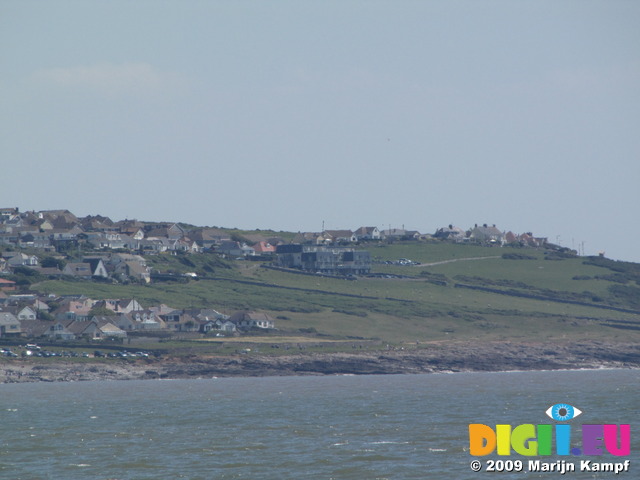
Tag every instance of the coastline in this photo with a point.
(437, 358)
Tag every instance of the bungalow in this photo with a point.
(111, 240)
(209, 237)
(225, 326)
(367, 233)
(140, 320)
(487, 234)
(79, 270)
(450, 233)
(9, 325)
(264, 248)
(105, 327)
(173, 231)
(92, 223)
(153, 245)
(118, 258)
(7, 285)
(235, 249)
(184, 244)
(7, 213)
(74, 309)
(399, 233)
(86, 328)
(339, 236)
(20, 259)
(134, 270)
(34, 240)
(246, 320)
(58, 331)
(179, 321)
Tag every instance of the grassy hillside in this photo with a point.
(457, 292)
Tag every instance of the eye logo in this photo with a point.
(562, 412)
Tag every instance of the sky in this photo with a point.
(294, 115)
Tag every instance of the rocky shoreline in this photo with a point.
(433, 358)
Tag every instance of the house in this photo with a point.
(339, 236)
(48, 271)
(235, 249)
(98, 268)
(487, 234)
(9, 238)
(323, 259)
(74, 309)
(184, 244)
(40, 306)
(128, 305)
(78, 269)
(450, 233)
(105, 327)
(264, 248)
(170, 316)
(57, 331)
(109, 240)
(96, 223)
(8, 213)
(304, 238)
(526, 240)
(173, 231)
(134, 270)
(179, 321)
(90, 267)
(400, 234)
(15, 259)
(140, 320)
(208, 238)
(34, 240)
(9, 325)
(84, 329)
(27, 313)
(130, 227)
(61, 216)
(246, 320)
(118, 258)
(367, 233)
(7, 285)
(153, 245)
(225, 326)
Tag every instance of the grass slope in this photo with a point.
(426, 305)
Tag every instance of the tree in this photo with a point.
(101, 312)
(53, 262)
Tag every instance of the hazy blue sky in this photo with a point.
(288, 114)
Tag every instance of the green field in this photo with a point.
(426, 304)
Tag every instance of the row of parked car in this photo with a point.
(120, 354)
(32, 350)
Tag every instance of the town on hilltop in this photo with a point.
(55, 244)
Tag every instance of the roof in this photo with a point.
(366, 230)
(249, 315)
(339, 233)
(8, 318)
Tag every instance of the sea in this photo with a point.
(310, 427)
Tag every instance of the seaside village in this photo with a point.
(55, 244)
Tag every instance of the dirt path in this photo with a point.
(455, 260)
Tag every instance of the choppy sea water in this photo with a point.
(338, 427)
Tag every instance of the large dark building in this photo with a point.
(320, 259)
